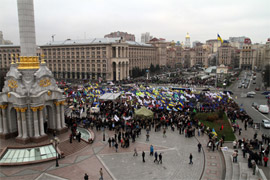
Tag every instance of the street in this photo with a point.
(246, 103)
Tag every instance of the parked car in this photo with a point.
(251, 92)
(265, 92)
(257, 89)
(254, 82)
(266, 123)
(255, 105)
(246, 85)
(264, 109)
(240, 85)
(250, 95)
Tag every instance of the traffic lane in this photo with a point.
(247, 102)
(254, 114)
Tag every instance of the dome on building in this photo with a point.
(187, 36)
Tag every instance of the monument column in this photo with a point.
(63, 114)
(127, 70)
(116, 48)
(35, 118)
(19, 122)
(58, 117)
(24, 124)
(41, 121)
(4, 118)
(117, 71)
(1, 121)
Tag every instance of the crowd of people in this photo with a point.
(172, 109)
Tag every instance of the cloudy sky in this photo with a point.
(169, 19)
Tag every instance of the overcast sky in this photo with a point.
(169, 19)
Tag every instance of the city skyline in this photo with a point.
(170, 20)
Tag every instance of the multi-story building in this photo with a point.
(267, 53)
(213, 44)
(237, 42)
(247, 56)
(202, 55)
(226, 54)
(118, 34)
(161, 50)
(145, 37)
(106, 58)
(174, 56)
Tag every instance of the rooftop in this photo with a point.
(93, 41)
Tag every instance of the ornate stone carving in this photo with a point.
(17, 109)
(12, 83)
(34, 109)
(8, 95)
(23, 109)
(45, 82)
(49, 93)
(3, 106)
(62, 102)
(57, 103)
(40, 108)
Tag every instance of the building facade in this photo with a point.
(247, 57)
(226, 54)
(118, 34)
(104, 58)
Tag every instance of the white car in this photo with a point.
(266, 123)
(251, 92)
(264, 109)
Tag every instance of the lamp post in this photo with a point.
(55, 141)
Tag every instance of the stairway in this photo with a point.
(239, 170)
(70, 148)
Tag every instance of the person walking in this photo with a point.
(156, 156)
(109, 141)
(116, 146)
(79, 137)
(190, 158)
(135, 152)
(265, 159)
(85, 176)
(147, 137)
(254, 166)
(164, 133)
(151, 150)
(143, 156)
(235, 154)
(101, 174)
(160, 158)
(70, 138)
(199, 147)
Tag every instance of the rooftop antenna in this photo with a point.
(53, 37)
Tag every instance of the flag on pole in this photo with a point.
(219, 38)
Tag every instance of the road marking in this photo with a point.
(260, 113)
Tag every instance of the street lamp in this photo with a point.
(55, 141)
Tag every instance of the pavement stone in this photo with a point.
(175, 149)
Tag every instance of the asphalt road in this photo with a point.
(245, 102)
